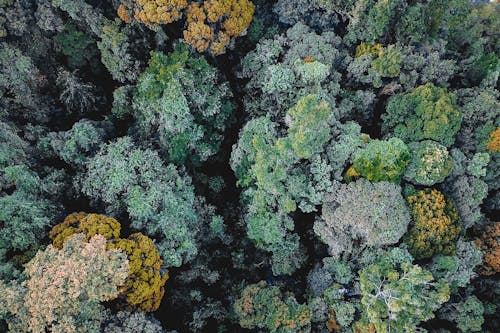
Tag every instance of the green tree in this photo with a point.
(263, 306)
(186, 102)
(430, 163)
(158, 198)
(398, 295)
(382, 160)
(362, 215)
(426, 112)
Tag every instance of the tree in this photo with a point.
(275, 70)
(151, 12)
(27, 212)
(309, 130)
(426, 112)
(144, 285)
(186, 102)
(382, 160)
(135, 322)
(398, 295)
(263, 306)
(75, 145)
(490, 245)
(87, 224)
(430, 163)
(436, 225)
(158, 198)
(64, 287)
(76, 95)
(212, 24)
(459, 269)
(362, 215)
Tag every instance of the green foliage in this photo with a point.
(360, 215)
(309, 129)
(26, 213)
(186, 102)
(18, 81)
(470, 315)
(76, 45)
(458, 269)
(244, 152)
(398, 295)
(382, 160)
(430, 163)
(115, 52)
(77, 144)
(427, 112)
(288, 67)
(263, 306)
(158, 199)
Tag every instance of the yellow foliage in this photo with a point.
(212, 24)
(489, 243)
(87, 224)
(493, 145)
(144, 287)
(152, 12)
(364, 48)
(351, 174)
(436, 225)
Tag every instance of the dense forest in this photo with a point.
(234, 166)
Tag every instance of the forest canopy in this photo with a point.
(281, 166)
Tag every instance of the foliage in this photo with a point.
(144, 286)
(362, 214)
(470, 316)
(382, 160)
(430, 163)
(116, 56)
(26, 213)
(490, 245)
(212, 24)
(264, 306)
(136, 322)
(308, 130)
(398, 295)
(427, 112)
(274, 71)
(436, 226)
(158, 199)
(86, 224)
(152, 12)
(75, 145)
(65, 287)
(184, 100)
(76, 45)
(459, 269)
